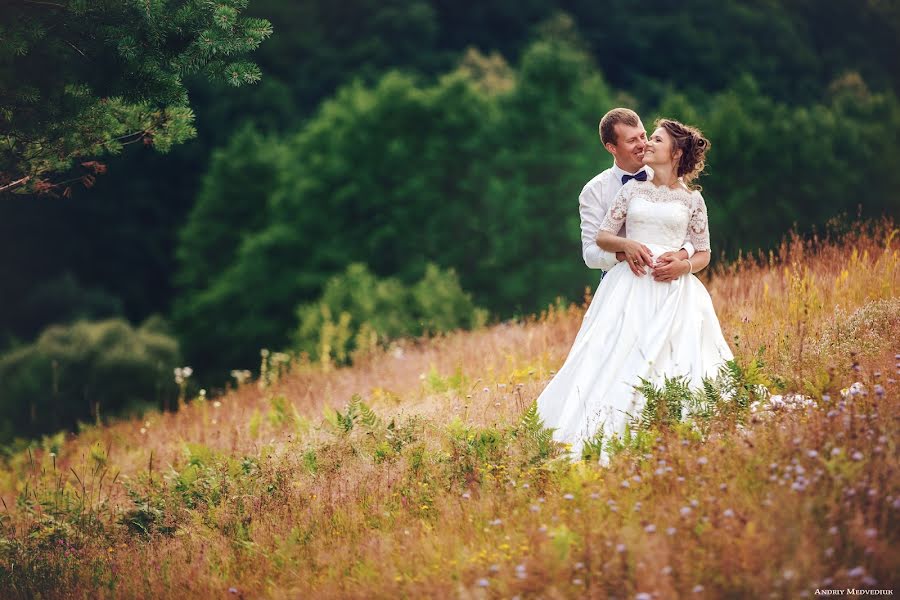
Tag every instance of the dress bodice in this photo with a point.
(659, 216)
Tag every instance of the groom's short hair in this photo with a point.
(610, 119)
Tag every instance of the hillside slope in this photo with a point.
(420, 472)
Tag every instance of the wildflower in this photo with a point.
(520, 571)
(671, 531)
(182, 374)
(495, 568)
(143, 430)
(466, 495)
(486, 390)
(871, 532)
(569, 497)
(535, 508)
(723, 487)
(680, 479)
(625, 483)
(482, 582)
(577, 581)
(651, 528)
(702, 460)
(879, 390)
(829, 552)
(870, 581)
(826, 398)
(788, 574)
(643, 596)
(698, 589)
(620, 548)
(856, 572)
(232, 590)
(835, 451)
(217, 404)
(857, 456)
(812, 454)
(595, 496)
(695, 503)
(728, 513)
(685, 511)
(636, 478)
(496, 522)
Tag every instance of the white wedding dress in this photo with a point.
(635, 326)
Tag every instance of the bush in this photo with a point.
(358, 311)
(73, 371)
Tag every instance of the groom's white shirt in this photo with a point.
(593, 203)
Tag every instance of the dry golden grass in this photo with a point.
(262, 492)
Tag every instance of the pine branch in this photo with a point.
(18, 183)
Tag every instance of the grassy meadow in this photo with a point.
(421, 472)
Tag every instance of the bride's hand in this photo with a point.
(669, 267)
(638, 256)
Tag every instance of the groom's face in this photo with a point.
(630, 144)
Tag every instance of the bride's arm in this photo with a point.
(699, 261)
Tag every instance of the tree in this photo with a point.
(74, 372)
(84, 78)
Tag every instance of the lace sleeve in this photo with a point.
(615, 216)
(698, 228)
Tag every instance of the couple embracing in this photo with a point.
(645, 224)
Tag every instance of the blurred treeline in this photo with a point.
(425, 157)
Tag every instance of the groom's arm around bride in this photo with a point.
(623, 135)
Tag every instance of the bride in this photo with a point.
(637, 327)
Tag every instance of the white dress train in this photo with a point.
(635, 326)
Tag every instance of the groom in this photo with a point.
(623, 135)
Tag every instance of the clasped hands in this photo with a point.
(667, 267)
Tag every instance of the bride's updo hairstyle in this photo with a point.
(693, 148)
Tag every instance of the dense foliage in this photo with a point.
(78, 372)
(359, 313)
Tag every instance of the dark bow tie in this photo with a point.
(640, 176)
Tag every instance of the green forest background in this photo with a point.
(405, 167)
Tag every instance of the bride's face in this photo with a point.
(658, 152)
(659, 148)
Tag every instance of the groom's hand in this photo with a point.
(669, 267)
